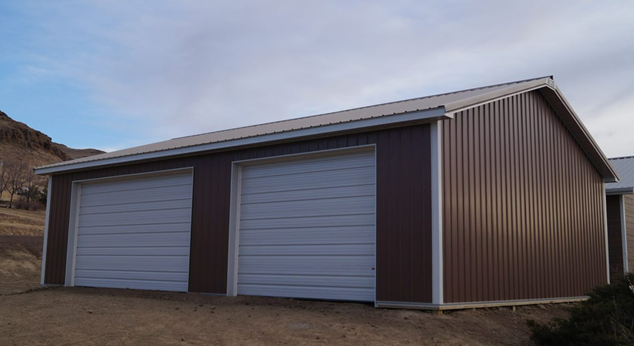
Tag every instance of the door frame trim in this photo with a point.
(73, 221)
(236, 191)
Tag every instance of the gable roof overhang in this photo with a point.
(401, 113)
(625, 167)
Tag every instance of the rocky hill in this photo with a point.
(17, 140)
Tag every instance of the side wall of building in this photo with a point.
(615, 236)
(403, 210)
(523, 207)
(629, 227)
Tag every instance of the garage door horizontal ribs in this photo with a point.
(356, 294)
(308, 198)
(308, 281)
(132, 275)
(134, 284)
(278, 218)
(317, 221)
(307, 250)
(166, 227)
(170, 204)
(312, 207)
(133, 251)
(309, 165)
(327, 170)
(137, 184)
(125, 263)
(158, 239)
(131, 197)
(298, 194)
(321, 180)
(134, 218)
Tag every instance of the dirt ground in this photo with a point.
(31, 315)
(21, 222)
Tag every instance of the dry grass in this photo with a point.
(21, 222)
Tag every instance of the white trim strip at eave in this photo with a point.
(428, 114)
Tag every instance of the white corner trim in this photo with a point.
(46, 223)
(626, 268)
(436, 213)
(234, 229)
(73, 225)
(424, 115)
(605, 231)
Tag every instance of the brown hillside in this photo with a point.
(17, 140)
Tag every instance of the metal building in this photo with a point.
(480, 197)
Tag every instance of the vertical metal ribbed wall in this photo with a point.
(523, 207)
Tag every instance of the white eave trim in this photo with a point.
(429, 114)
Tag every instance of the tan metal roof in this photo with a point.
(433, 107)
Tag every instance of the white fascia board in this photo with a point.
(620, 191)
(429, 114)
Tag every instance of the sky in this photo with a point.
(113, 74)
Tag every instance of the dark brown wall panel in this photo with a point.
(629, 227)
(615, 236)
(522, 205)
(403, 210)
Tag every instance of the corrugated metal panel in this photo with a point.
(111, 252)
(301, 263)
(615, 236)
(629, 227)
(624, 166)
(403, 215)
(523, 206)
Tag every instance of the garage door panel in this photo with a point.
(134, 196)
(127, 207)
(314, 235)
(134, 251)
(136, 218)
(298, 249)
(305, 265)
(82, 275)
(331, 293)
(297, 195)
(134, 263)
(362, 159)
(177, 239)
(355, 176)
(320, 221)
(135, 284)
(142, 228)
(307, 228)
(308, 208)
(365, 282)
(135, 233)
(138, 183)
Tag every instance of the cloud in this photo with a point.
(180, 68)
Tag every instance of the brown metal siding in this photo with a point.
(615, 236)
(522, 205)
(403, 210)
(629, 227)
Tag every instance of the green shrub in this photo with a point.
(607, 318)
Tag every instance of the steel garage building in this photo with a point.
(479, 197)
(620, 203)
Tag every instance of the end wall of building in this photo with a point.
(523, 206)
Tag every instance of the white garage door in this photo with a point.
(307, 228)
(135, 233)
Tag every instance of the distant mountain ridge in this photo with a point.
(18, 140)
